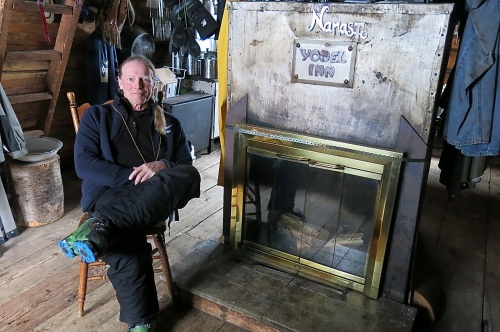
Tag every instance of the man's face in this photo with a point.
(136, 83)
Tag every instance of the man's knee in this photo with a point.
(184, 172)
(193, 173)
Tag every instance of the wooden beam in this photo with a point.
(17, 66)
(64, 40)
(30, 26)
(38, 55)
(231, 316)
(29, 97)
(5, 7)
(32, 88)
(49, 7)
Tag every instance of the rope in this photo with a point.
(41, 4)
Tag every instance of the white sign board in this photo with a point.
(324, 62)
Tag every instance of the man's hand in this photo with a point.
(146, 171)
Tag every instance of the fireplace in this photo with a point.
(364, 73)
(314, 206)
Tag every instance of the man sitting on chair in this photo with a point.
(136, 166)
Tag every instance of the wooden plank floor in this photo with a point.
(38, 284)
(458, 248)
(458, 245)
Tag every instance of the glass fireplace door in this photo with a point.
(314, 211)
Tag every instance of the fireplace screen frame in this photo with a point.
(380, 164)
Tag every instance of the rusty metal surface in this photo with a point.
(396, 68)
(397, 279)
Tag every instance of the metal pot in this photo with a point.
(136, 41)
(193, 65)
(209, 67)
(176, 62)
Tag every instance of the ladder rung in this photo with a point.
(49, 7)
(29, 97)
(33, 133)
(39, 55)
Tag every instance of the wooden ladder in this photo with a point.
(32, 73)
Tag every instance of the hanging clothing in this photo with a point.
(470, 101)
(11, 134)
(472, 120)
(111, 19)
(102, 65)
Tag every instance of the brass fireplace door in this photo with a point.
(313, 206)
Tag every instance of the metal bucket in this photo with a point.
(192, 65)
(209, 67)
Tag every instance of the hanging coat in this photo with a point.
(102, 65)
(11, 134)
(472, 122)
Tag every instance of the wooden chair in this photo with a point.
(157, 234)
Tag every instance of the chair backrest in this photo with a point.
(77, 111)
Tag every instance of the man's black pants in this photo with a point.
(133, 210)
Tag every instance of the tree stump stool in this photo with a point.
(37, 191)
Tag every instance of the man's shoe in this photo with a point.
(91, 240)
(142, 327)
(80, 234)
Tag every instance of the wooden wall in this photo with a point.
(25, 33)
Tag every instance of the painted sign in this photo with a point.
(338, 28)
(324, 62)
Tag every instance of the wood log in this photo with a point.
(38, 193)
(347, 239)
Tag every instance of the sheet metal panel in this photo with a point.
(397, 64)
(394, 71)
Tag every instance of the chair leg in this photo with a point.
(82, 287)
(159, 241)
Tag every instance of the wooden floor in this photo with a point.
(38, 283)
(458, 246)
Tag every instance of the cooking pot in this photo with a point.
(176, 63)
(209, 66)
(136, 41)
(192, 65)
